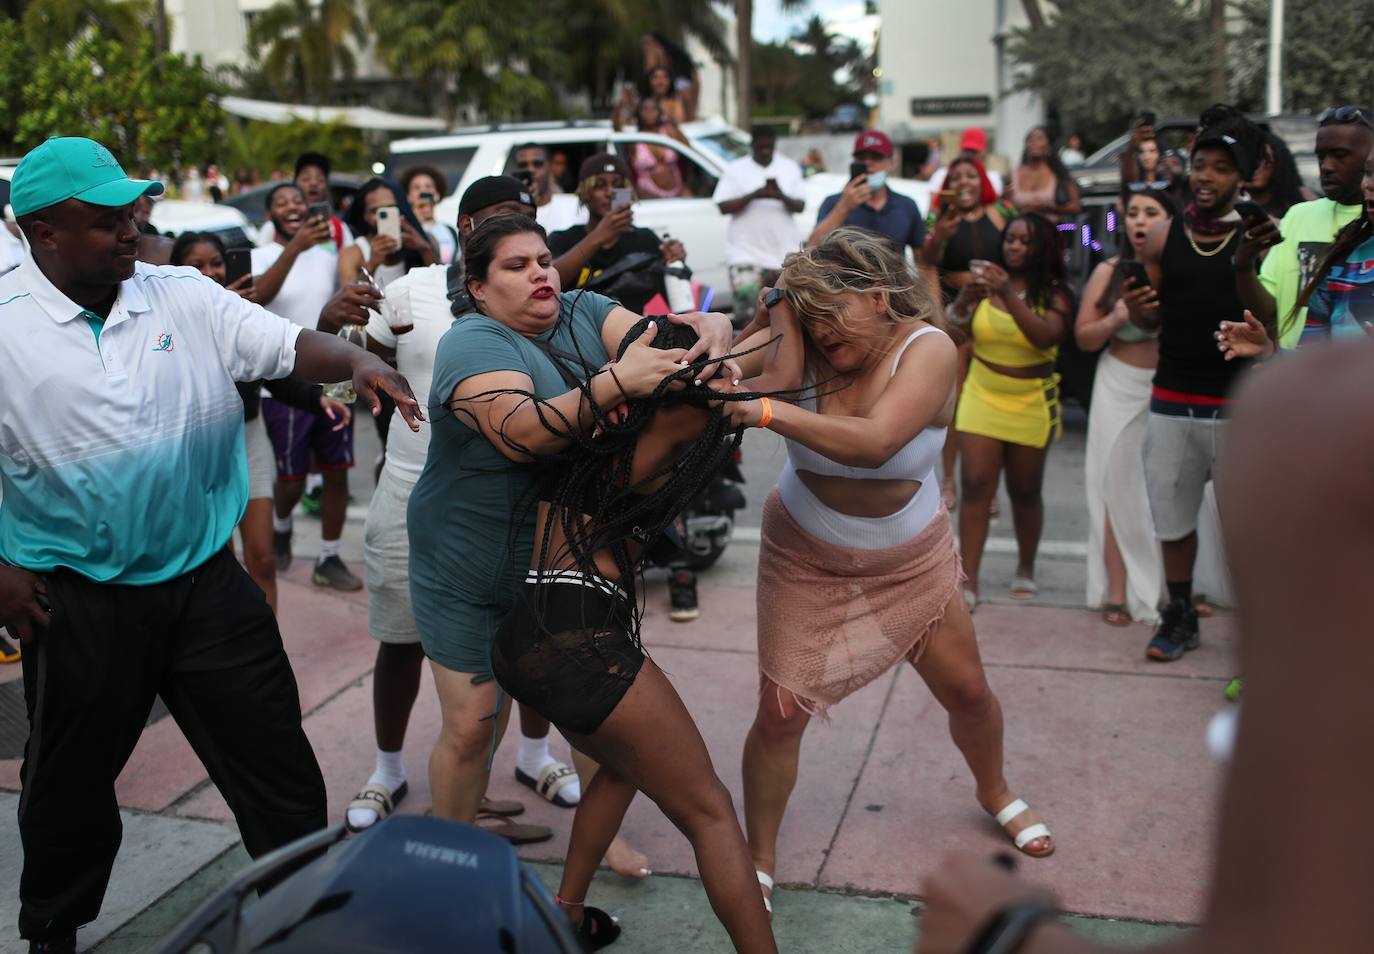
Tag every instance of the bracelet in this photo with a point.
(767, 417)
(610, 366)
(1008, 929)
(568, 904)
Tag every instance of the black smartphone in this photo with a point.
(857, 169)
(1135, 270)
(318, 210)
(525, 176)
(1147, 118)
(1251, 213)
(237, 263)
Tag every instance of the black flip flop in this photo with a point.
(597, 929)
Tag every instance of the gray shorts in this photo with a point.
(262, 463)
(1180, 457)
(386, 562)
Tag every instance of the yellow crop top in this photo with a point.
(998, 339)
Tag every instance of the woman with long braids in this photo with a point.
(467, 541)
(858, 572)
(1041, 183)
(1009, 406)
(570, 647)
(1125, 568)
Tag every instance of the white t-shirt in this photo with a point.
(423, 294)
(937, 180)
(313, 278)
(764, 231)
(562, 212)
(385, 274)
(267, 234)
(446, 237)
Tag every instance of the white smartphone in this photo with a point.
(389, 222)
(621, 198)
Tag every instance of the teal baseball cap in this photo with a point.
(71, 167)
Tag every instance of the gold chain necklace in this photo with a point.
(1220, 245)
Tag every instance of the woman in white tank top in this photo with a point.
(857, 569)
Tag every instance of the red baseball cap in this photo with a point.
(974, 140)
(870, 140)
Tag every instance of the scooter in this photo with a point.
(709, 520)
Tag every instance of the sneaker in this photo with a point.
(331, 572)
(682, 596)
(1234, 689)
(1176, 635)
(310, 503)
(281, 550)
(9, 652)
(61, 945)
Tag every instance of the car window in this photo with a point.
(726, 145)
(452, 162)
(697, 180)
(574, 154)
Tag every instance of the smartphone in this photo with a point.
(1251, 213)
(525, 176)
(319, 210)
(946, 196)
(429, 197)
(237, 263)
(389, 222)
(1147, 118)
(857, 169)
(978, 266)
(772, 184)
(622, 199)
(1134, 270)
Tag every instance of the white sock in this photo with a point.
(531, 759)
(312, 481)
(390, 774)
(328, 548)
(281, 525)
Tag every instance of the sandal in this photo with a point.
(1114, 614)
(970, 600)
(1204, 609)
(553, 778)
(1028, 834)
(375, 798)
(507, 808)
(1024, 588)
(598, 928)
(514, 832)
(949, 496)
(766, 881)
(994, 508)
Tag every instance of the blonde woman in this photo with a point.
(858, 572)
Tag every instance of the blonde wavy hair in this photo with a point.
(859, 262)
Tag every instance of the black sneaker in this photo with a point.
(331, 572)
(61, 945)
(682, 596)
(1177, 633)
(281, 550)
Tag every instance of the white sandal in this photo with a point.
(377, 799)
(1028, 834)
(766, 881)
(553, 778)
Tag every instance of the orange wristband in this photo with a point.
(767, 417)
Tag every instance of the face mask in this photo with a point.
(876, 180)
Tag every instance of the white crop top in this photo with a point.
(915, 461)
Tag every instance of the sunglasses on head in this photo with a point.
(1159, 185)
(1342, 115)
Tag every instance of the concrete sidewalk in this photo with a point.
(1107, 746)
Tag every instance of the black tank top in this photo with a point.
(977, 239)
(1199, 292)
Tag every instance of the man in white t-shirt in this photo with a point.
(552, 210)
(312, 178)
(296, 274)
(760, 192)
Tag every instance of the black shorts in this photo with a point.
(567, 649)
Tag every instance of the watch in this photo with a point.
(773, 297)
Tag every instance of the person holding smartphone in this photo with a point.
(388, 238)
(761, 192)
(424, 187)
(867, 201)
(1125, 573)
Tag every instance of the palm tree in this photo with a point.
(303, 44)
(52, 24)
(744, 43)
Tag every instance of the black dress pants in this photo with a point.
(207, 643)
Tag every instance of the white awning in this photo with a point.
(360, 117)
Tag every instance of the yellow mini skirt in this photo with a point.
(1016, 410)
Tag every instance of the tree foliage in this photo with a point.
(496, 58)
(802, 76)
(151, 111)
(303, 45)
(1098, 63)
(52, 24)
(266, 147)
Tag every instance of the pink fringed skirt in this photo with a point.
(831, 619)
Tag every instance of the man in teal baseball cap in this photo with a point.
(71, 167)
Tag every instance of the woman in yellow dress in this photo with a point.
(1009, 408)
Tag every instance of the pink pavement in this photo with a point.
(1108, 747)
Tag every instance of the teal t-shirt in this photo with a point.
(460, 512)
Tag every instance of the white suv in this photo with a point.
(468, 154)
